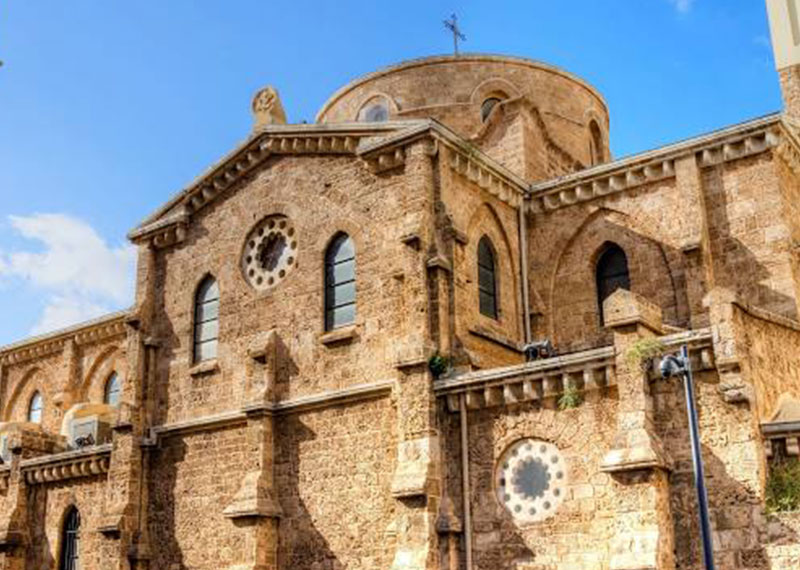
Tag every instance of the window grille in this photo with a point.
(487, 279)
(35, 408)
(70, 540)
(113, 390)
(206, 320)
(340, 283)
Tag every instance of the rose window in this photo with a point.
(270, 252)
(530, 480)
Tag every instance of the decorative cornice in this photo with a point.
(532, 381)
(98, 330)
(67, 465)
(549, 377)
(380, 145)
(167, 225)
(733, 143)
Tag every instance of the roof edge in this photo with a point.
(464, 57)
(677, 148)
(66, 331)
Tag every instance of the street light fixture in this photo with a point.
(679, 365)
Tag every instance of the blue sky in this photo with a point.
(108, 108)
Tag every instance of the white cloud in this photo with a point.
(80, 274)
(682, 6)
(61, 312)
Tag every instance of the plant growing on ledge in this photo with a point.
(571, 398)
(438, 364)
(643, 351)
(783, 486)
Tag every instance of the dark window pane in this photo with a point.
(113, 389)
(340, 286)
(488, 305)
(342, 316)
(70, 539)
(207, 312)
(205, 350)
(206, 315)
(341, 250)
(486, 280)
(612, 274)
(341, 272)
(207, 331)
(343, 294)
(208, 290)
(487, 106)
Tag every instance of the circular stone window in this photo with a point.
(270, 252)
(530, 480)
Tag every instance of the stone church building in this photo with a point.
(325, 365)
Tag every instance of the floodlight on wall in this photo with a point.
(538, 349)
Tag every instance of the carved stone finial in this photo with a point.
(267, 108)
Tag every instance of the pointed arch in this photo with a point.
(657, 271)
(22, 392)
(111, 359)
(487, 278)
(70, 539)
(611, 273)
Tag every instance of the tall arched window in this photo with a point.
(35, 408)
(598, 154)
(113, 390)
(487, 279)
(70, 540)
(612, 274)
(340, 283)
(206, 320)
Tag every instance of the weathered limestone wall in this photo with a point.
(749, 229)
(48, 507)
(475, 213)
(769, 347)
(333, 473)
(579, 534)
(731, 225)
(333, 470)
(193, 478)
(564, 248)
(734, 465)
(73, 369)
(321, 196)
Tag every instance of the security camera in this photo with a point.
(671, 365)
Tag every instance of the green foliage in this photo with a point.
(643, 351)
(438, 364)
(783, 486)
(571, 398)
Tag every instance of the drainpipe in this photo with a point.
(465, 480)
(523, 256)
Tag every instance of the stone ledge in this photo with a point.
(344, 334)
(205, 367)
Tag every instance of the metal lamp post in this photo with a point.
(679, 365)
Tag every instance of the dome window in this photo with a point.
(375, 113)
(487, 107)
